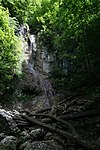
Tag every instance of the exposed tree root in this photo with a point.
(58, 125)
(43, 110)
(65, 124)
(68, 98)
(62, 133)
(81, 114)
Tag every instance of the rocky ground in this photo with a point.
(30, 122)
(69, 124)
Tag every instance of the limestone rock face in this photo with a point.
(44, 58)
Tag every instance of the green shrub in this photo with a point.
(10, 49)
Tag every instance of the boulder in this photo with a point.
(4, 126)
(7, 124)
(9, 143)
(24, 136)
(41, 145)
(2, 136)
(37, 134)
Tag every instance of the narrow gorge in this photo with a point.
(39, 122)
(49, 75)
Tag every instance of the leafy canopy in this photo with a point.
(9, 48)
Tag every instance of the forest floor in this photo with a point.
(76, 110)
(72, 120)
(82, 121)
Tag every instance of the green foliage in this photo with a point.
(9, 49)
(18, 8)
(69, 28)
(72, 28)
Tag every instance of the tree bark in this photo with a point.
(78, 115)
(62, 133)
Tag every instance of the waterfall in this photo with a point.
(39, 78)
(45, 85)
